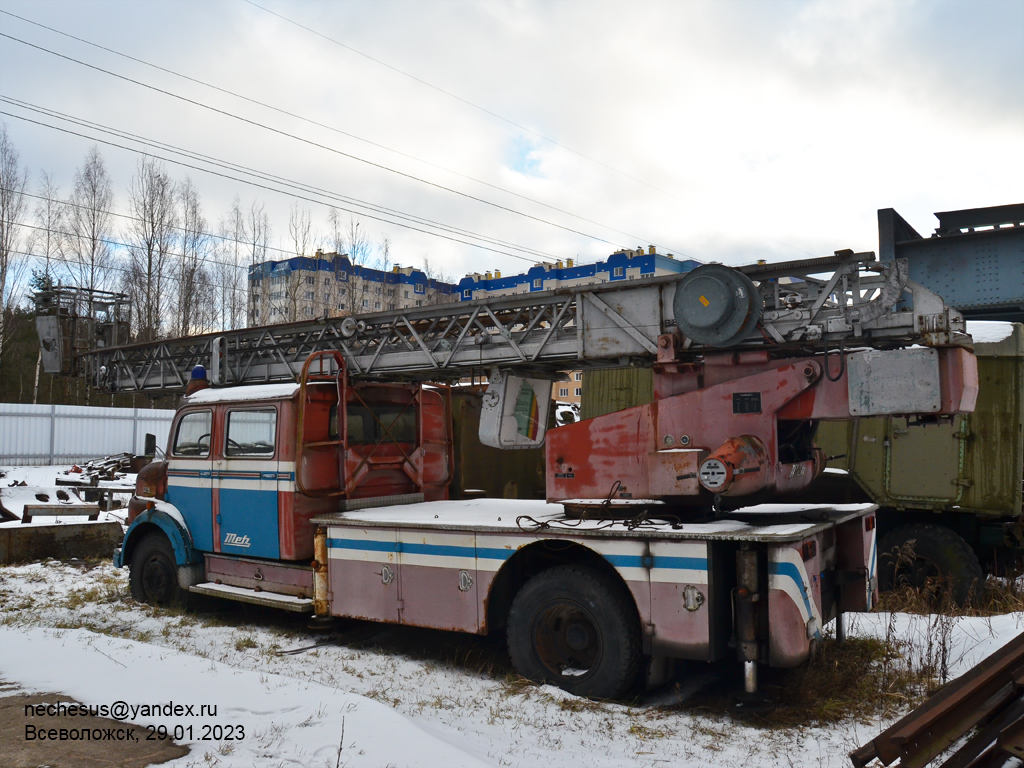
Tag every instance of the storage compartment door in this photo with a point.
(925, 462)
(439, 580)
(363, 569)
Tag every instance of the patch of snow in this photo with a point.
(254, 392)
(500, 513)
(276, 716)
(771, 509)
(989, 331)
(970, 639)
(276, 597)
(171, 511)
(505, 514)
(41, 480)
(615, 502)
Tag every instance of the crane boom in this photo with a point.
(792, 308)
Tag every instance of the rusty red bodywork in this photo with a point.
(750, 417)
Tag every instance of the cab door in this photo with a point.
(246, 483)
(190, 474)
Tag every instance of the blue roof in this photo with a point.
(648, 263)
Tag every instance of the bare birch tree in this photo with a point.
(359, 249)
(88, 255)
(207, 314)
(230, 268)
(48, 243)
(49, 239)
(151, 238)
(13, 180)
(300, 228)
(257, 235)
(302, 288)
(191, 267)
(343, 299)
(384, 265)
(336, 231)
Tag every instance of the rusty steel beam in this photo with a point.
(987, 695)
(981, 749)
(1011, 739)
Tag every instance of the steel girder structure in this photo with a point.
(539, 332)
(803, 306)
(974, 259)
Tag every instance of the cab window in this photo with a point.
(251, 433)
(192, 437)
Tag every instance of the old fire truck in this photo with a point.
(317, 475)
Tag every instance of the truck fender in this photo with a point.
(174, 529)
(529, 560)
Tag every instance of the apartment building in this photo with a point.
(330, 285)
(621, 265)
(626, 264)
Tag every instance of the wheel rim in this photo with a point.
(566, 640)
(157, 579)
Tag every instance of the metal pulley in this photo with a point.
(717, 305)
(350, 327)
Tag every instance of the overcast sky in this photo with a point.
(725, 131)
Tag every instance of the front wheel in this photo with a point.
(154, 573)
(576, 628)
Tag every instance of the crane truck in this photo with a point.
(317, 474)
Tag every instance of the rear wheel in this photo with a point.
(154, 573)
(576, 628)
(929, 557)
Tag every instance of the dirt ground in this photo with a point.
(18, 752)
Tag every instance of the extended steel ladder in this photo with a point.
(800, 306)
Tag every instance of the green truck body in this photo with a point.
(967, 475)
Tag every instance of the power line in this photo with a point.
(324, 125)
(272, 177)
(126, 270)
(135, 218)
(69, 264)
(460, 99)
(309, 142)
(260, 186)
(205, 260)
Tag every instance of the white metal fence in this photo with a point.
(64, 434)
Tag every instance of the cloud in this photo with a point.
(723, 130)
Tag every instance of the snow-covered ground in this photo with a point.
(72, 629)
(401, 697)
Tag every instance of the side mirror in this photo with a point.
(514, 413)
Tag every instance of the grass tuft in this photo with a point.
(245, 643)
(997, 596)
(860, 679)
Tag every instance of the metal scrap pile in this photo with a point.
(45, 512)
(988, 699)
